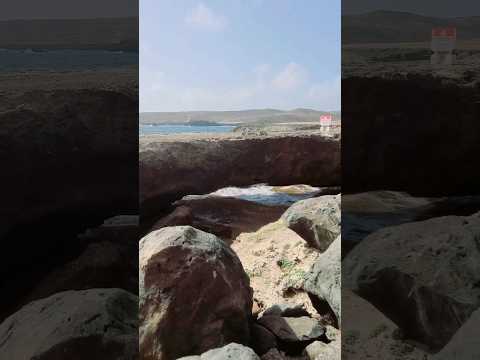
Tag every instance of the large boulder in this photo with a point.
(317, 220)
(226, 217)
(464, 345)
(201, 164)
(77, 325)
(423, 275)
(231, 351)
(194, 294)
(368, 334)
(323, 281)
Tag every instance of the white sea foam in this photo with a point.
(270, 195)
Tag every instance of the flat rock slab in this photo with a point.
(225, 217)
(231, 351)
(293, 329)
(286, 310)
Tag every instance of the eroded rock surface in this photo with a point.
(78, 325)
(225, 217)
(201, 164)
(194, 294)
(231, 351)
(324, 279)
(317, 220)
(423, 275)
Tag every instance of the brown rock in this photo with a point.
(225, 217)
(262, 339)
(201, 164)
(194, 294)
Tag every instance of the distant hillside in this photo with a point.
(392, 26)
(111, 34)
(243, 116)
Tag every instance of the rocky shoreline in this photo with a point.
(269, 294)
(223, 276)
(71, 169)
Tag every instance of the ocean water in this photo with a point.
(64, 60)
(183, 129)
(266, 194)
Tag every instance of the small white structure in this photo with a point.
(325, 123)
(328, 123)
(443, 45)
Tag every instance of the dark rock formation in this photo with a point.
(175, 166)
(422, 275)
(70, 160)
(413, 133)
(262, 339)
(317, 220)
(287, 310)
(101, 265)
(194, 294)
(77, 325)
(293, 329)
(224, 217)
(76, 144)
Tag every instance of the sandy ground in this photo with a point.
(276, 259)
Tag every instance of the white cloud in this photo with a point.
(260, 89)
(290, 78)
(203, 17)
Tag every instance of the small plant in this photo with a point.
(286, 265)
(295, 278)
(252, 273)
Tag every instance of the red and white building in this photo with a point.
(443, 45)
(329, 123)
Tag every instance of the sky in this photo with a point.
(239, 54)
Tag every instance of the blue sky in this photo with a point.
(239, 54)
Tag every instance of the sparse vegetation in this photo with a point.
(252, 273)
